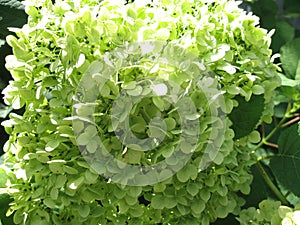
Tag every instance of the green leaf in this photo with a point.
(13, 4)
(284, 32)
(291, 8)
(4, 110)
(92, 146)
(267, 10)
(138, 124)
(49, 81)
(157, 202)
(229, 220)
(13, 15)
(56, 166)
(286, 165)
(192, 189)
(134, 191)
(119, 193)
(254, 137)
(130, 200)
(133, 156)
(84, 211)
(51, 145)
(188, 172)
(83, 139)
(259, 189)
(3, 178)
(159, 187)
(290, 196)
(170, 123)
(198, 206)
(205, 195)
(60, 181)
(159, 102)
(74, 184)
(264, 6)
(91, 177)
(2, 159)
(246, 116)
(135, 92)
(136, 211)
(290, 57)
(297, 76)
(267, 208)
(123, 206)
(287, 81)
(70, 170)
(5, 199)
(49, 203)
(54, 193)
(170, 202)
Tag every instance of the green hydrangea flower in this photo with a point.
(72, 65)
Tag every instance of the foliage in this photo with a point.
(61, 42)
(5, 199)
(12, 15)
(277, 154)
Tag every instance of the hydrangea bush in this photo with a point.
(70, 48)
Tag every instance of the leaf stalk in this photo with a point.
(270, 183)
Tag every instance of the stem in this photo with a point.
(269, 182)
(271, 144)
(296, 119)
(262, 171)
(263, 133)
(265, 139)
(287, 194)
(276, 128)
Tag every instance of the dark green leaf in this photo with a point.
(280, 110)
(290, 57)
(246, 116)
(259, 189)
(292, 8)
(267, 10)
(4, 205)
(13, 15)
(290, 196)
(288, 92)
(14, 4)
(229, 220)
(286, 165)
(284, 32)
